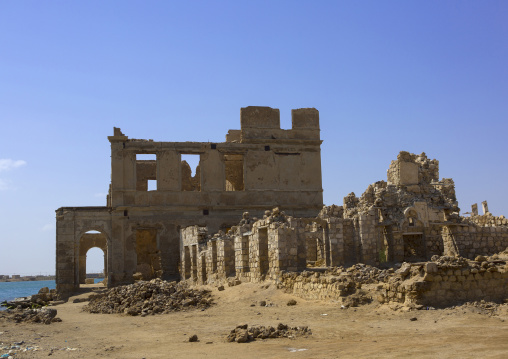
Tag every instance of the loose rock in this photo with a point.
(153, 297)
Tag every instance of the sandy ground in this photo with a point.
(371, 331)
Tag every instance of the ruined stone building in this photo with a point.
(409, 218)
(259, 166)
(254, 209)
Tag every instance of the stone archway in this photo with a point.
(87, 241)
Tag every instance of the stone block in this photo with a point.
(431, 267)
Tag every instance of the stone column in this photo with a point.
(66, 281)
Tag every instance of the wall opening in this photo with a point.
(92, 257)
(152, 185)
(233, 165)
(148, 256)
(187, 263)
(414, 247)
(146, 172)
(95, 266)
(191, 174)
(312, 251)
(146, 157)
(263, 251)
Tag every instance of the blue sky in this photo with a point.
(386, 76)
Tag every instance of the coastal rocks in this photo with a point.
(42, 315)
(244, 334)
(152, 297)
(43, 298)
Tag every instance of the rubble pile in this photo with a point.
(244, 333)
(362, 273)
(487, 220)
(480, 264)
(19, 315)
(149, 297)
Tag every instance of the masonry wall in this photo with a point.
(442, 287)
(471, 240)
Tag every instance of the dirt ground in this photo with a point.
(371, 331)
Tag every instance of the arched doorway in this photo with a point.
(96, 240)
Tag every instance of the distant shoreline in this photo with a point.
(38, 279)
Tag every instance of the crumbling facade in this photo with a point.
(410, 218)
(259, 166)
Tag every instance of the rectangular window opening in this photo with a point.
(152, 185)
(146, 172)
(146, 157)
(191, 174)
(233, 165)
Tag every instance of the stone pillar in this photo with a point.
(485, 207)
(474, 209)
(82, 268)
(118, 247)
(168, 171)
(212, 171)
(283, 248)
(202, 277)
(66, 281)
(194, 262)
(242, 253)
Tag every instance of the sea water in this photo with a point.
(12, 290)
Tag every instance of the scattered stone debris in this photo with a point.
(482, 307)
(152, 297)
(43, 298)
(193, 338)
(244, 334)
(42, 315)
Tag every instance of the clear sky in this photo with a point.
(386, 76)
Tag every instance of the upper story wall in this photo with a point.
(258, 166)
